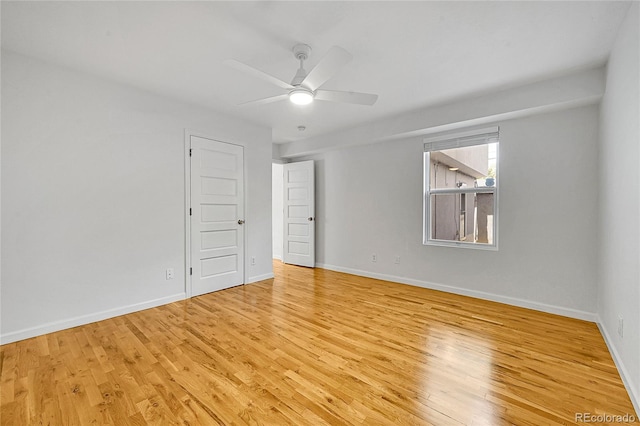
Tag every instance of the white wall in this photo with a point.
(619, 190)
(93, 196)
(369, 200)
(277, 179)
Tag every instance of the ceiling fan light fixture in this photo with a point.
(301, 96)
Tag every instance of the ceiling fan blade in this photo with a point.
(330, 63)
(268, 100)
(346, 97)
(257, 73)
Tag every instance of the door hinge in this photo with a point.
(190, 271)
(190, 149)
(190, 213)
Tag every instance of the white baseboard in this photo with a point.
(276, 257)
(634, 394)
(259, 278)
(50, 327)
(537, 306)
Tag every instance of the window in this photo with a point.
(461, 189)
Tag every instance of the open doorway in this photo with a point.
(277, 215)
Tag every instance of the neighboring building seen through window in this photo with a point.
(460, 200)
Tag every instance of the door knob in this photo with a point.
(310, 219)
(240, 222)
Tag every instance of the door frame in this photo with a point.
(187, 205)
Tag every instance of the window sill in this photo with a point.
(461, 244)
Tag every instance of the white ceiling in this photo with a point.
(413, 54)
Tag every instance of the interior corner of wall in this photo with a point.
(275, 152)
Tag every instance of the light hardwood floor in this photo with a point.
(315, 347)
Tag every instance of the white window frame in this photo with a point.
(459, 140)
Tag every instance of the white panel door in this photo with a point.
(299, 214)
(217, 215)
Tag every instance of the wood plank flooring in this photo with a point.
(315, 347)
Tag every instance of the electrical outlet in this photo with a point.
(253, 261)
(374, 257)
(397, 259)
(169, 273)
(620, 326)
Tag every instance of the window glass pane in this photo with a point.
(468, 167)
(462, 217)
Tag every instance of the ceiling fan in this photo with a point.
(305, 86)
